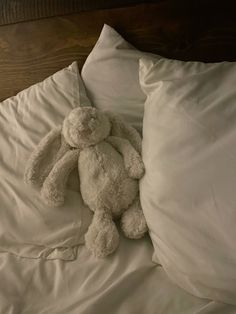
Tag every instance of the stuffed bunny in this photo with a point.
(107, 154)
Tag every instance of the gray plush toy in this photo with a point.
(107, 154)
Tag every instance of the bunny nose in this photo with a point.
(82, 127)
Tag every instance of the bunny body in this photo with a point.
(106, 153)
(104, 181)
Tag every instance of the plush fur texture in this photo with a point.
(107, 154)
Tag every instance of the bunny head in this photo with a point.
(85, 126)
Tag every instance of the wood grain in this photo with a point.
(14, 11)
(31, 51)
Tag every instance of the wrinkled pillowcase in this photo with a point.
(111, 77)
(188, 193)
(28, 227)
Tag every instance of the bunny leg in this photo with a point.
(102, 237)
(133, 222)
(53, 190)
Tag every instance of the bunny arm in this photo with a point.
(132, 159)
(124, 130)
(36, 172)
(53, 190)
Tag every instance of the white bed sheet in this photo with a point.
(125, 283)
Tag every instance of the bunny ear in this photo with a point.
(51, 148)
(121, 129)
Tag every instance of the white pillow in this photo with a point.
(111, 77)
(188, 193)
(28, 227)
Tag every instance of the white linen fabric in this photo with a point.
(111, 77)
(125, 282)
(28, 227)
(188, 193)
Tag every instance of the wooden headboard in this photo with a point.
(186, 30)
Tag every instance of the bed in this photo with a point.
(35, 44)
